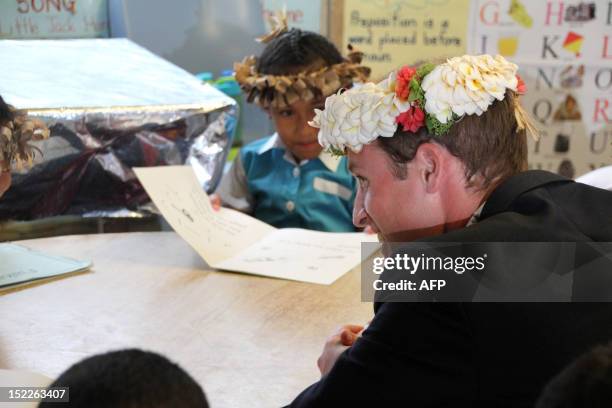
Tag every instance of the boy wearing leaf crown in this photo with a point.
(286, 180)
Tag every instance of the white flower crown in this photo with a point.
(431, 96)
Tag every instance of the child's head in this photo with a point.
(6, 116)
(294, 74)
(129, 379)
(296, 51)
(587, 382)
(17, 130)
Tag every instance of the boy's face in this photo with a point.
(292, 126)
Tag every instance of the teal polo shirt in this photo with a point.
(267, 182)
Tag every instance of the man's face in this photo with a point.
(292, 127)
(388, 204)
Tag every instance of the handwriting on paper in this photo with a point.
(234, 241)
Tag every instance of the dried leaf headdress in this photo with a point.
(16, 136)
(279, 91)
(278, 22)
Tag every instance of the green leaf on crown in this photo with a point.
(334, 151)
(425, 69)
(436, 127)
(416, 92)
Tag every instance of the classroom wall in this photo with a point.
(197, 35)
(563, 49)
(209, 35)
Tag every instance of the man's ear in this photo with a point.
(429, 159)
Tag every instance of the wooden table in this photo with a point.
(250, 341)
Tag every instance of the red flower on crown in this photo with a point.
(411, 120)
(521, 88)
(402, 82)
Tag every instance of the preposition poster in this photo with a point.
(396, 32)
(564, 50)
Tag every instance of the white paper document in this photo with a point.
(233, 241)
(20, 265)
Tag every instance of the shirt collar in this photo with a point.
(329, 160)
(504, 195)
(275, 142)
(476, 216)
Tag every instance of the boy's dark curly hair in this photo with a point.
(295, 49)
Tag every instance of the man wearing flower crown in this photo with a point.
(440, 153)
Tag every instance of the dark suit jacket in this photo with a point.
(490, 355)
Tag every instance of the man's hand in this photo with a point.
(335, 345)
(215, 201)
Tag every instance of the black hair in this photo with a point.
(6, 115)
(587, 382)
(295, 49)
(128, 379)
